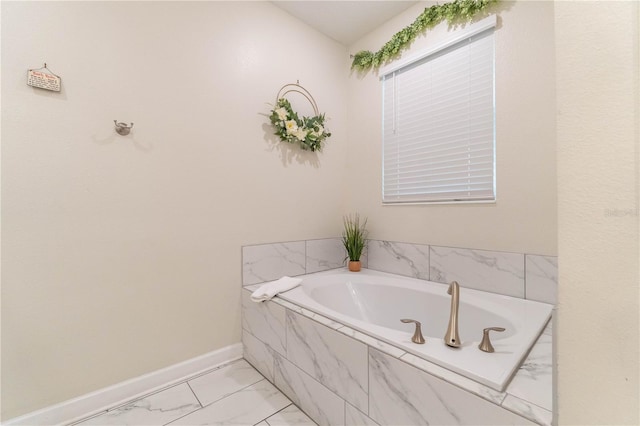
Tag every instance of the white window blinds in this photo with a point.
(439, 126)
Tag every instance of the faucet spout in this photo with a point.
(452, 338)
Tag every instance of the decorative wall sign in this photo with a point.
(43, 78)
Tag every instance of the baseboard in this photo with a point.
(95, 402)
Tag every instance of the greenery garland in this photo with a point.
(308, 131)
(457, 10)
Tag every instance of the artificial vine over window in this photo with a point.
(455, 11)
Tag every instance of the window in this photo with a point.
(439, 122)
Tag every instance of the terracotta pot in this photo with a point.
(355, 265)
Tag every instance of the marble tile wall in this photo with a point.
(268, 262)
(338, 376)
(497, 272)
(411, 260)
(514, 274)
(324, 254)
(521, 275)
(541, 278)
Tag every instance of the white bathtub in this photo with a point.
(374, 302)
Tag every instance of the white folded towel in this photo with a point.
(268, 290)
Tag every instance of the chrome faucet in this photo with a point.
(452, 338)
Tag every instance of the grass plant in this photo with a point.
(354, 236)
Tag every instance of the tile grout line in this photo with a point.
(217, 400)
(238, 390)
(274, 413)
(195, 395)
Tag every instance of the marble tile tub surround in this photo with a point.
(528, 276)
(322, 375)
(520, 275)
(268, 262)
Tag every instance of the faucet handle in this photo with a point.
(417, 335)
(486, 345)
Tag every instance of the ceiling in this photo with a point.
(344, 21)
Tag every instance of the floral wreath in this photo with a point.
(309, 132)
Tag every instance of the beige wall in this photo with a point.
(122, 255)
(524, 217)
(598, 46)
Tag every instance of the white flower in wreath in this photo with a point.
(291, 126)
(301, 134)
(282, 113)
(317, 132)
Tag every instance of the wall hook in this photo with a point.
(122, 128)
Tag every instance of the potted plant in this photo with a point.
(354, 237)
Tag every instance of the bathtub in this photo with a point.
(374, 302)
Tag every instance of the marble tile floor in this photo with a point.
(233, 394)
